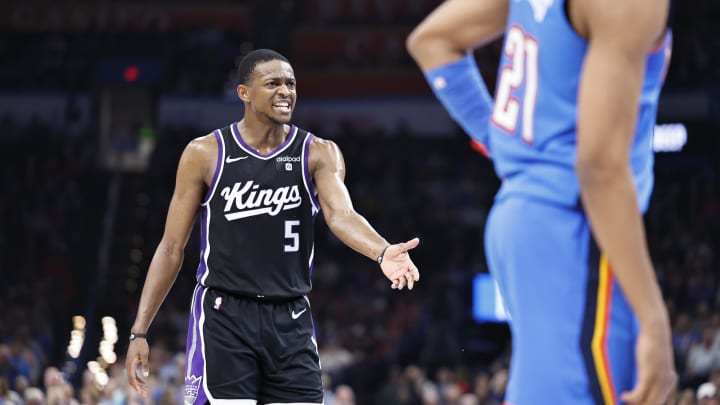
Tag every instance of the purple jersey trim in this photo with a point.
(218, 167)
(306, 175)
(247, 148)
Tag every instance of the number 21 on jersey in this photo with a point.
(522, 50)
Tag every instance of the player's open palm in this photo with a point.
(397, 265)
(137, 353)
(656, 370)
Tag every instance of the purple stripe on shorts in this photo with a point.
(195, 367)
(202, 267)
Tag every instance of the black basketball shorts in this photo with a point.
(251, 352)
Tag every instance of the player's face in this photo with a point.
(272, 92)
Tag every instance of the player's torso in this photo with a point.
(533, 125)
(257, 219)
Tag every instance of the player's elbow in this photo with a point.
(423, 42)
(416, 41)
(600, 169)
(335, 219)
(171, 248)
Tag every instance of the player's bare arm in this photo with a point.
(438, 39)
(327, 168)
(194, 173)
(444, 54)
(620, 34)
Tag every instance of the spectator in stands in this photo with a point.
(469, 399)
(8, 396)
(715, 376)
(481, 388)
(344, 395)
(707, 394)
(34, 396)
(684, 337)
(701, 357)
(395, 390)
(334, 357)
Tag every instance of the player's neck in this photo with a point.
(261, 136)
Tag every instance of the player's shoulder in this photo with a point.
(203, 144)
(324, 153)
(200, 152)
(323, 145)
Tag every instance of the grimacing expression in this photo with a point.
(271, 90)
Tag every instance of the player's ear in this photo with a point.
(243, 92)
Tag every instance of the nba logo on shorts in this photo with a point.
(288, 167)
(192, 386)
(218, 303)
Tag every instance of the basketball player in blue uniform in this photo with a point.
(569, 133)
(257, 186)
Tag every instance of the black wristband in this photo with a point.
(134, 336)
(382, 254)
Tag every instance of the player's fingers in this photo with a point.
(410, 279)
(637, 395)
(144, 365)
(655, 396)
(140, 386)
(134, 380)
(401, 282)
(411, 244)
(130, 365)
(659, 390)
(416, 274)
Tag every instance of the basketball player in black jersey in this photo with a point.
(257, 185)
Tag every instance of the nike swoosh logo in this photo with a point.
(230, 160)
(297, 315)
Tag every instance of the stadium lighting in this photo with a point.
(669, 137)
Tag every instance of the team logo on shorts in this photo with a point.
(218, 303)
(192, 387)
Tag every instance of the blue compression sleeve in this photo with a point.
(462, 91)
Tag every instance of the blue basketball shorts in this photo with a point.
(573, 330)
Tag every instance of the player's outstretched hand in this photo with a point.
(137, 353)
(398, 267)
(656, 370)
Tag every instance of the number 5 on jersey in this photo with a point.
(522, 50)
(291, 236)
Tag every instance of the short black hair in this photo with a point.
(249, 61)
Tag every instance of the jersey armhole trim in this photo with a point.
(307, 180)
(218, 168)
(666, 41)
(567, 23)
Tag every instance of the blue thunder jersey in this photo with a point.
(534, 122)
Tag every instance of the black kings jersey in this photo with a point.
(257, 219)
